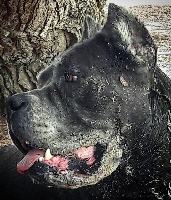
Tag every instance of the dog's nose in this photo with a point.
(16, 102)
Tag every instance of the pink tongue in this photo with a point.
(31, 157)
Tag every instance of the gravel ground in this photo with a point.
(157, 19)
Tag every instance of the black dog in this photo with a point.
(98, 126)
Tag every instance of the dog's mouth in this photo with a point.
(85, 161)
(83, 166)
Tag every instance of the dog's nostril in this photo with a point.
(17, 102)
(16, 107)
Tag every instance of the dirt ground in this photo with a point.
(157, 19)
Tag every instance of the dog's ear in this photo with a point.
(131, 42)
(91, 27)
(129, 34)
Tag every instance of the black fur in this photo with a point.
(105, 92)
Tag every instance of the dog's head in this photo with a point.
(71, 128)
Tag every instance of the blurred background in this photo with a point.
(127, 3)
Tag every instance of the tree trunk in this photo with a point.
(33, 32)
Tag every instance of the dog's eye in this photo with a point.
(70, 77)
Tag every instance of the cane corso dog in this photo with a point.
(98, 126)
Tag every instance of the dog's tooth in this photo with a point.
(48, 155)
(41, 159)
(123, 81)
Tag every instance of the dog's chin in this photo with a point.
(85, 166)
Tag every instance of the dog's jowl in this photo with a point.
(98, 125)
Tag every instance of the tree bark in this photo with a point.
(33, 32)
